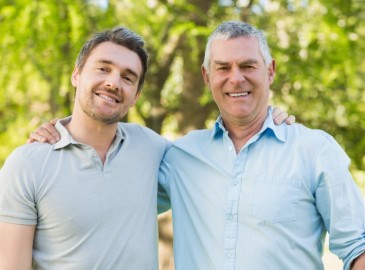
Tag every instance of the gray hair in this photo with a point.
(235, 29)
(120, 36)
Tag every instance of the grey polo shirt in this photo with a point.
(87, 215)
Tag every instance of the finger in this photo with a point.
(48, 131)
(275, 112)
(54, 121)
(290, 120)
(30, 140)
(43, 135)
(35, 137)
(280, 118)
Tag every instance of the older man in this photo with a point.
(247, 194)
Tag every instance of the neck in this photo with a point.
(94, 133)
(241, 132)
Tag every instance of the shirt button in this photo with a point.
(230, 148)
(229, 255)
(94, 154)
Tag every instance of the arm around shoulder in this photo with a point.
(16, 244)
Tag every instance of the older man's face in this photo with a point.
(239, 79)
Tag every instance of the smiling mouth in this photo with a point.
(107, 98)
(242, 94)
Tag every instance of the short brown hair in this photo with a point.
(121, 36)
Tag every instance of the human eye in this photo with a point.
(249, 65)
(102, 69)
(222, 68)
(129, 79)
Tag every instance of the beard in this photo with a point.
(99, 112)
(109, 119)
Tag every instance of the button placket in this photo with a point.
(232, 206)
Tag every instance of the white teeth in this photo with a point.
(238, 94)
(107, 98)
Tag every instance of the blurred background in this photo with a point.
(319, 47)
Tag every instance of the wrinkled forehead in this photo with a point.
(233, 48)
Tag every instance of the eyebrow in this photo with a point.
(108, 62)
(245, 62)
(250, 61)
(218, 62)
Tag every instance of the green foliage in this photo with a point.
(319, 55)
(39, 44)
(318, 46)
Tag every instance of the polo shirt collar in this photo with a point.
(66, 138)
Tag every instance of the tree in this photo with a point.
(318, 46)
(39, 42)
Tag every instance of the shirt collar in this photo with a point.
(279, 131)
(67, 139)
(218, 128)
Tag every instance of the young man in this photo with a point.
(89, 201)
(247, 194)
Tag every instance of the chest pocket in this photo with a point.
(276, 200)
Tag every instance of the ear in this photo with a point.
(271, 71)
(205, 76)
(75, 76)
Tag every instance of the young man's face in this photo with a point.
(239, 79)
(106, 87)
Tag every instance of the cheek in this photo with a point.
(217, 84)
(131, 102)
(132, 96)
(217, 96)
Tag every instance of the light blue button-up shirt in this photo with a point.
(268, 206)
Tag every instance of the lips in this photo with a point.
(108, 98)
(239, 94)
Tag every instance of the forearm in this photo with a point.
(359, 263)
(16, 242)
(163, 201)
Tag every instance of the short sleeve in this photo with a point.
(17, 192)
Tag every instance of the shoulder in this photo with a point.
(314, 136)
(194, 137)
(25, 161)
(194, 143)
(316, 141)
(30, 152)
(137, 133)
(132, 129)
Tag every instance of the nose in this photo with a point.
(113, 82)
(236, 76)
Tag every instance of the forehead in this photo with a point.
(235, 48)
(117, 55)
